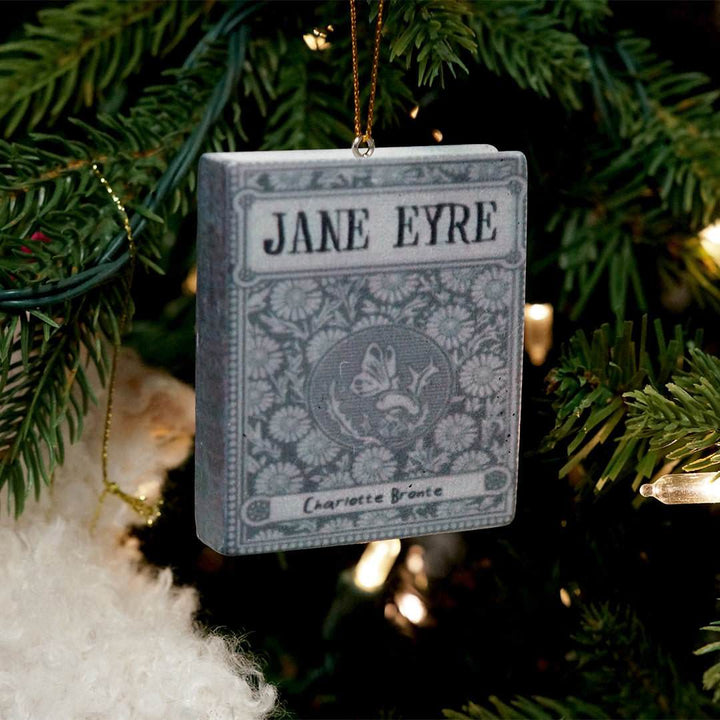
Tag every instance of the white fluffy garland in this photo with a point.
(86, 633)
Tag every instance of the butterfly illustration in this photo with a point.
(378, 377)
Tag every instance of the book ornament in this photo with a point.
(360, 327)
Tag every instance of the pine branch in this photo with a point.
(309, 113)
(610, 644)
(589, 388)
(521, 708)
(658, 177)
(687, 266)
(533, 47)
(79, 51)
(44, 385)
(673, 122)
(49, 187)
(613, 643)
(684, 423)
(711, 677)
(585, 15)
(147, 157)
(432, 35)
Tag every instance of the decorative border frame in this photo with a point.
(244, 186)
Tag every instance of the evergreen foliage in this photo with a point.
(592, 385)
(54, 212)
(78, 53)
(618, 673)
(682, 423)
(533, 47)
(432, 35)
(711, 677)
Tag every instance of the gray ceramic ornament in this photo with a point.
(360, 327)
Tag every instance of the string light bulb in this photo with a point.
(189, 285)
(375, 564)
(414, 112)
(415, 562)
(565, 598)
(684, 488)
(437, 135)
(317, 39)
(538, 331)
(710, 241)
(411, 607)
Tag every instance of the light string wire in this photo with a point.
(360, 136)
(117, 254)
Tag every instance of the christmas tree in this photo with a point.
(595, 602)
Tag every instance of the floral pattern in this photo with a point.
(263, 356)
(289, 424)
(316, 448)
(450, 326)
(373, 466)
(295, 299)
(456, 433)
(471, 461)
(483, 375)
(258, 397)
(279, 479)
(322, 341)
(491, 289)
(392, 287)
(293, 324)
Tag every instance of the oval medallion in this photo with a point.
(383, 384)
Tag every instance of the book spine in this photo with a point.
(211, 355)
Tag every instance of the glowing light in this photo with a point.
(375, 564)
(565, 597)
(684, 488)
(437, 135)
(538, 331)
(317, 39)
(710, 241)
(414, 112)
(190, 283)
(411, 607)
(415, 562)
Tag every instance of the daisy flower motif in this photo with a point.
(279, 479)
(471, 461)
(321, 342)
(483, 375)
(289, 424)
(392, 287)
(450, 326)
(374, 465)
(262, 356)
(339, 479)
(295, 299)
(458, 279)
(491, 289)
(371, 321)
(258, 397)
(316, 448)
(456, 432)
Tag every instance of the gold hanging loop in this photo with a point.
(139, 504)
(363, 145)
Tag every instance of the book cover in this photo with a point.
(359, 358)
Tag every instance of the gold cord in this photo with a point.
(360, 136)
(139, 504)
